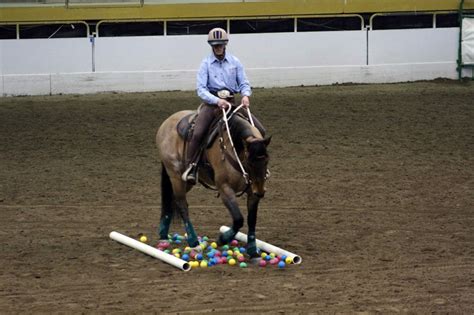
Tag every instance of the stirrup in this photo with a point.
(190, 174)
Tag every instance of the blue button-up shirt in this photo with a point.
(215, 75)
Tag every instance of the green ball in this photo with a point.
(243, 265)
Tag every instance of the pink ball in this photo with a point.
(241, 258)
(273, 261)
(262, 263)
(234, 243)
(224, 260)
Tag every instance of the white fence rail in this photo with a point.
(51, 66)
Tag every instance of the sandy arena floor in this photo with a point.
(373, 185)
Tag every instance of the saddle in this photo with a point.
(186, 125)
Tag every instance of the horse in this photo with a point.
(220, 171)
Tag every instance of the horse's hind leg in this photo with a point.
(230, 201)
(180, 189)
(173, 200)
(168, 204)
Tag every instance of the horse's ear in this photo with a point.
(267, 140)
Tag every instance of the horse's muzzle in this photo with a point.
(259, 195)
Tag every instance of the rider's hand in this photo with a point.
(223, 104)
(245, 101)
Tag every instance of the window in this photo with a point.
(262, 26)
(192, 27)
(329, 24)
(447, 20)
(7, 31)
(113, 29)
(53, 30)
(388, 22)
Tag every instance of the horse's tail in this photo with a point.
(166, 190)
(168, 205)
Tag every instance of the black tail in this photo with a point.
(167, 195)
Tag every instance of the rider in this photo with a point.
(220, 76)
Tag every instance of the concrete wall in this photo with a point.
(51, 66)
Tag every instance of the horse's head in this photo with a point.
(257, 161)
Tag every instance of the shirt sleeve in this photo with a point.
(242, 81)
(202, 89)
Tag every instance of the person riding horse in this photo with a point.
(220, 76)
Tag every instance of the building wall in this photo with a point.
(47, 66)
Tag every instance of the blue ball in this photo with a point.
(210, 254)
(224, 254)
(283, 257)
(268, 258)
(281, 264)
(242, 250)
(199, 256)
(185, 257)
(177, 241)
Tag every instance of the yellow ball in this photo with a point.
(203, 264)
(288, 260)
(214, 245)
(143, 239)
(264, 255)
(232, 261)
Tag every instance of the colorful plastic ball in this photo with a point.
(177, 255)
(268, 258)
(234, 243)
(230, 253)
(225, 247)
(272, 255)
(210, 254)
(178, 242)
(224, 254)
(167, 251)
(176, 251)
(199, 256)
(241, 258)
(263, 255)
(242, 250)
(187, 249)
(205, 238)
(223, 260)
(214, 245)
(288, 260)
(283, 257)
(217, 253)
(185, 257)
(243, 265)
(273, 261)
(232, 261)
(203, 264)
(281, 264)
(262, 263)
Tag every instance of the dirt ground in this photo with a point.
(372, 185)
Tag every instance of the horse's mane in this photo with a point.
(240, 129)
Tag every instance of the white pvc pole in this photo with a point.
(147, 249)
(269, 248)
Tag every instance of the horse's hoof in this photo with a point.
(255, 260)
(197, 248)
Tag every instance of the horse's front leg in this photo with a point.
(252, 207)
(230, 201)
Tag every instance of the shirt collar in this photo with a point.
(214, 59)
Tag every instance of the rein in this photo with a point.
(230, 158)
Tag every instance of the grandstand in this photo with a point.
(139, 45)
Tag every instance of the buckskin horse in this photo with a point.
(232, 166)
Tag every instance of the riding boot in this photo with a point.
(192, 155)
